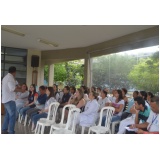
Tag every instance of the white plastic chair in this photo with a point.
(113, 125)
(103, 129)
(88, 126)
(56, 126)
(43, 122)
(20, 117)
(71, 123)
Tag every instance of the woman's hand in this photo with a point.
(40, 111)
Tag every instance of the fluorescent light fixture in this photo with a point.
(47, 42)
(12, 31)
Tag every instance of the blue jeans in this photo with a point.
(10, 117)
(18, 108)
(24, 110)
(36, 117)
(114, 118)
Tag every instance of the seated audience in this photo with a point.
(72, 90)
(125, 122)
(41, 100)
(33, 95)
(57, 94)
(61, 93)
(143, 94)
(89, 116)
(103, 100)
(21, 98)
(124, 92)
(152, 123)
(93, 88)
(149, 96)
(78, 99)
(99, 91)
(43, 113)
(141, 111)
(127, 112)
(84, 89)
(65, 97)
(112, 98)
(118, 104)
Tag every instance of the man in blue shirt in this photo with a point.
(65, 97)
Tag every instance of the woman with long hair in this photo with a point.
(118, 104)
(33, 95)
(44, 112)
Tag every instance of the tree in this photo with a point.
(145, 75)
(60, 73)
(112, 70)
(46, 70)
(70, 73)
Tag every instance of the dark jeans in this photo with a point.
(36, 117)
(10, 117)
(32, 112)
(125, 115)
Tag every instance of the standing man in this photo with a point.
(8, 99)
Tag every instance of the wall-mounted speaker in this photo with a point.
(35, 61)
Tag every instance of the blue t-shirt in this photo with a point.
(130, 104)
(42, 99)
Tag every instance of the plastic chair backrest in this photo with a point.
(52, 111)
(109, 114)
(72, 119)
(70, 106)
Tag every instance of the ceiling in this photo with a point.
(67, 36)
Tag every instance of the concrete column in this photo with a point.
(87, 71)
(51, 75)
(42, 73)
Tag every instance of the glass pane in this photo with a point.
(16, 52)
(14, 58)
(133, 70)
(19, 67)
(20, 74)
(21, 80)
(2, 66)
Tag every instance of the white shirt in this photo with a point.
(8, 87)
(48, 102)
(89, 116)
(22, 97)
(112, 99)
(120, 102)
(57, 97)
(102, 102)
(153, 121)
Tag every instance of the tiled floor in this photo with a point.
(19, 128)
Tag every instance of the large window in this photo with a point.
(14, 57)
(134, 70)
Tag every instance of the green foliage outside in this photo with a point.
(145, 75)
(68, 73)
(112, 71)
